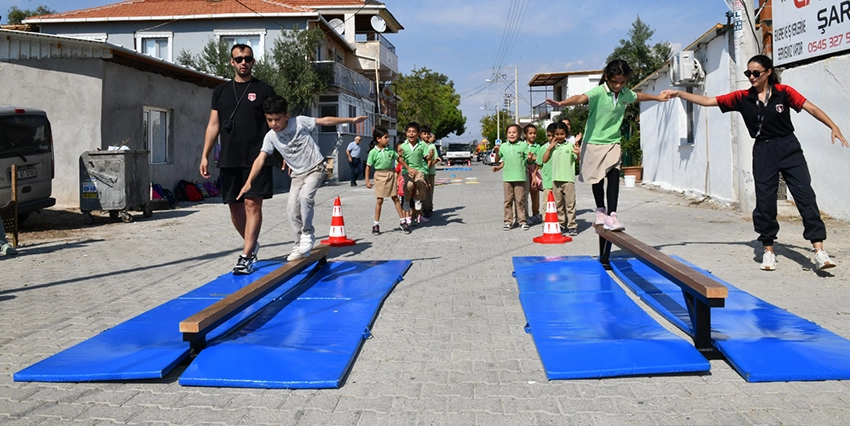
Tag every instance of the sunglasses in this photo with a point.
(250, 59)
(755, 74)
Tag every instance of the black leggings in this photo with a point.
(613, 178)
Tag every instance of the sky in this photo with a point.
(464, 39)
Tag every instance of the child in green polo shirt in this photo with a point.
(416, 155)
(546, 168)
(563, 154)
(601, 156)
(431, 177)
(514, 155)
(535, 181)
(381, 160)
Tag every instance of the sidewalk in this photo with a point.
(448, 345)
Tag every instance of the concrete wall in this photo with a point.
(707, 165)
(127, 91)
(70, 91)
(824, 84)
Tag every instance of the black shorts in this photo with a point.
(233, 179)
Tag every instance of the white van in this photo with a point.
(26, 141)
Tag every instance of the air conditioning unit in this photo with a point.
(685, 70)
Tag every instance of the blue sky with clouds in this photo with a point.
(462, 39)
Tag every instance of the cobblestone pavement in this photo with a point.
(448, 345)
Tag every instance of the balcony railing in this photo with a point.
(345, 78)
(374, 36)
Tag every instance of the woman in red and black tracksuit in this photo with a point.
(765, 108)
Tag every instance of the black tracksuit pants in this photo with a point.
(770, 158)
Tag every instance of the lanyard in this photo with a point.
(762, 107)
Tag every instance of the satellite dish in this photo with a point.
(378, 24)
(337, 25)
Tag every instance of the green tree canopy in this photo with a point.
(488, 126)
(16, 16)
(644, 58)
(289, 68)
(429, 97)
(578, 117)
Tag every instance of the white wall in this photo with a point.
(824, 84)
(670, 164)
(70, 91)
(669, 160)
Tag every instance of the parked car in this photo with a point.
(26, 141)
(490, 158)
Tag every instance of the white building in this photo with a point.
(700, 151)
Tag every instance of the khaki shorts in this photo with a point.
(597, 161)
(414, 185)
(385, 184)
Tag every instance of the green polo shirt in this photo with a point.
(433, 169)
(545, 168)
(563, 161)
(381, 158)
(414, 156)
(606, 114)
(515, 156)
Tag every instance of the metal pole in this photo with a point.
(497, 123)
(516, 93)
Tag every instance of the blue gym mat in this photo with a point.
(307, 339)
(763, 342)
(149, 345)
(585, 326)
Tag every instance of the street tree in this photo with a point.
(429, 97)
(15, 16)
(289, 67)
(644, 58)
(488, 125)
(577, 115)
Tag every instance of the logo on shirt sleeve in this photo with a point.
(252, 97)
(780, 108)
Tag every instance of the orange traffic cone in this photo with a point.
(337, 236)
(551, 227)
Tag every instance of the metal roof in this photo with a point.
(23, 45)
(550, 78)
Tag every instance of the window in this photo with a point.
(328, 111)
(255, 38)
(157, 45)
(157, 129)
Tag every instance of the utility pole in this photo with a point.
(516, 94)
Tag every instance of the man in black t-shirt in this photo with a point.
(237, 119)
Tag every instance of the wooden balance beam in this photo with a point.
(196, 327)
(701, 292)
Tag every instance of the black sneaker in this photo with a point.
(244, 266)
(376, 230)
(405, 227)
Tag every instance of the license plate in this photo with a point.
(27, 173)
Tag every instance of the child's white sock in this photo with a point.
(376, 223)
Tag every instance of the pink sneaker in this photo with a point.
(613, 224)
(601, 216)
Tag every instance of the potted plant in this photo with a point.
(632, 154)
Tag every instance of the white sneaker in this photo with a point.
(295, 254)
(822, 260)
(306, 244)
(601, 216)
(768, 261)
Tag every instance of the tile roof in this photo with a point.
(171, 8)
